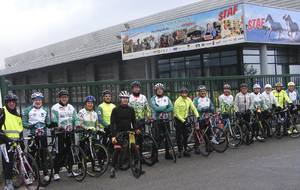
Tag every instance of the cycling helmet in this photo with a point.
(244, 85)
(201, 87)
(278, 84)
(291, 84)
(63, 92)
(184, 89)
(11, 97)
(159, 85)
(256, 86)
(124, 94)
(268, 86)
(106, 92)
(37, 95)
(226, 86)
(135, 83)
(90, 99)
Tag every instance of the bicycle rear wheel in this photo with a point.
(218, 139)
(45, 164)
(236, 136)
(135, 161)
(78, 163)
(149, 150)
(171, 146)
(29, 172)
(262, 131)
(202, 142)
(98, 162)
(295, 127)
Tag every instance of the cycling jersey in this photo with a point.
(87, 119)
(294, 95)
(140, 106)
(281, 97)
(270, 99)
(242, 102)
(65, 116)
(161, 106)
(104, 112)
(226, 104)
(202, 103)
(257, 102)
(181, 108)
(36, 117)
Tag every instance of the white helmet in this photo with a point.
(256, 86)
(291, 84)
(37, 95)
(124, 94)
(159, 85)
(268, 86)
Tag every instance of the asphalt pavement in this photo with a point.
(274, 164)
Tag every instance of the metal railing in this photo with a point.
(78, 91)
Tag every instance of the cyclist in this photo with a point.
(226, 103)
(88, 118)
(243, 102)
(203, 105)
(139, 103)
(269, 97)
(104, 111)
(257, 100)
(122, 117)
(181, 109)
(281, 95)
(65, 117)
(11, 129)
(292, 93)
(161, 106)
(35, 119)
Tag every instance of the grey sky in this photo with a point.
(30, 24)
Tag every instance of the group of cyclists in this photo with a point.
(133, 108)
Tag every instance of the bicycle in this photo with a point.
(247, 129)
(216, 135)
(260, 127)
(147, 145)
(233, 131)
(276, 123)
(25, 169)
(43, 159)
(130, 152)
(169, 140)
(291, 121)
(78, 162)
(201, 139)
(96, 153)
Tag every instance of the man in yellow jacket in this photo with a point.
(11, 129)
(281, 95)
(181, 108)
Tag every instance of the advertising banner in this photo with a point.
(214, 28)
(264, 24)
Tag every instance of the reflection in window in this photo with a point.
(252, 69)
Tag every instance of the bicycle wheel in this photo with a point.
(262, 131)
(218, 140)
(16, 177)
(295, 127)
(202, 142)
(149, 150)
(236, 136)
(247, 133)
(45, 164)
(279, 131)
(171, 146)
(29, 172)
(135, 161)
(78, 163)
(98, 163)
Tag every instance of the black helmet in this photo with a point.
(11, 97)
(106, 92)
(135, 83)
(226, 86)
(184, 89)
(63, 92)
(244, 85)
